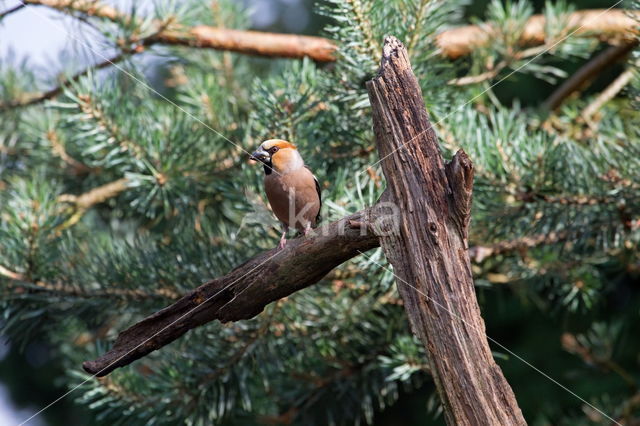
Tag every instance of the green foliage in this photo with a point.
(192, 208)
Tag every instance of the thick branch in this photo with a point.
(252, 42)
(244, 292)
(614, 24)
(428, 251)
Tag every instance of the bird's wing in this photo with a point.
(318, 217)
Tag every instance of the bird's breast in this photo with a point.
(293, 197)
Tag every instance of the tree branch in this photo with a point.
(96, 195)
(478, 254)
(607, 94)
(244, 292)
(615, 24)
(586, 73)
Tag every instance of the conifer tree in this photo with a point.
(124, 186)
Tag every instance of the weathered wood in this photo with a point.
(429, 252)
(244, 292)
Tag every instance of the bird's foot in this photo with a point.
(283, 242)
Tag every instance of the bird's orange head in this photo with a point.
(279, 155)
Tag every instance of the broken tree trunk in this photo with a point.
(429, 251)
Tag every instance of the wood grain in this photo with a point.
(429, 254)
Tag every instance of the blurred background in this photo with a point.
(34, 35)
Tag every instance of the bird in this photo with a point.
(292, 189)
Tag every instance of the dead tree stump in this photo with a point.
(429, 251)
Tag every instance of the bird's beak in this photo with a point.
(260, 155)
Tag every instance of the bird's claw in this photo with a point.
(282, 244)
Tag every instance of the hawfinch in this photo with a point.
(293, 191)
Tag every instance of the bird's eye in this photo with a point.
(273, 150)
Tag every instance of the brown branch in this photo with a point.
(97, 195)
(244, 292)
(85, 201)
(611, 25)
(87, 7)
(587, 73)
(252, 42)
(479, 253)
(428, 251)
(58, 149)
(607, 94)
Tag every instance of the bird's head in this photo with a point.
(278, 155)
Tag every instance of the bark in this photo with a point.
(429, 252)
(245, 291)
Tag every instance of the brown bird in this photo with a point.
(293, 191)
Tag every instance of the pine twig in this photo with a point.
(607, 94)
(477, 254)
(58, 149)
(479, 78)
(84, 202)
(587, 73)
(97, 195)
